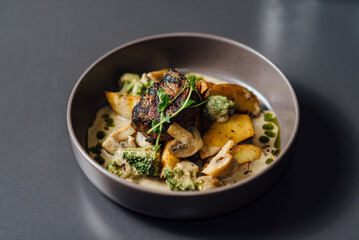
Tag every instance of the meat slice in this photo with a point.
(146, 110)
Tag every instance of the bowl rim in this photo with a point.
(138, 187)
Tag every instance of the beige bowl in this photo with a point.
(202, 53)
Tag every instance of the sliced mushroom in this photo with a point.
(208, 182)
(222, 164)
(202, 86)
(119, 138)
(206, 151)
(179, 133)
(141, 141)
(186, 143)
(130, 142)
(123, 133)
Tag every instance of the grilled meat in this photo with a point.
(146, 110)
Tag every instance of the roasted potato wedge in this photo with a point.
(156, 76)
(167, 159)
(245, 100)
(238, 128)
(244, 153)
(122, 105)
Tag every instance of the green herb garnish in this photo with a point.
(100, 134)
(269, 133)
(164, 102)
(268, 126)
(264, 139)
(269, 161)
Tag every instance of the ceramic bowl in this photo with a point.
(207, 54)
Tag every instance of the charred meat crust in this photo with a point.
(146, 110)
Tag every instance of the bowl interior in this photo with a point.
(214, 56)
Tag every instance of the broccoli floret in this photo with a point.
(127, 82)
(196, 77)
(218, 108)
(121, 168)
(139, 89)
(143, 160)
(132, 84)
(182, 177)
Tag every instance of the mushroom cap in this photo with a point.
(186, 143)
(222, 164)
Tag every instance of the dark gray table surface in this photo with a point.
(46, 45)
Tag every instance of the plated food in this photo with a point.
(216, 56)
(183, 132)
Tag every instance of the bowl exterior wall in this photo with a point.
(185, 207)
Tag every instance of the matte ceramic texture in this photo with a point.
(206, 54)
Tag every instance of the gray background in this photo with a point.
(46, 45)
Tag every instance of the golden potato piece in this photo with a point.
(244, 153)
(245, 100)
(156, 76)
(238, 128)
(122, 105)
(167, 159)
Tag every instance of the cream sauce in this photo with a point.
(99, 125)
(240, 172)
(247, 170)
(119, 122)
(209, 78)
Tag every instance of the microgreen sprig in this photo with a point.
(164, 102)
(186, 103)
(162, 105)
